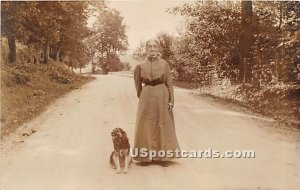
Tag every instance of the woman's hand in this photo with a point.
(171, 106)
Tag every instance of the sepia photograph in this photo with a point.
(150, 94)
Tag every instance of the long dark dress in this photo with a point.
(155, 128)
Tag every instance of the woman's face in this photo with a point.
(152, 49)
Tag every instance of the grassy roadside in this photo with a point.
(280, 103)
(27, 90)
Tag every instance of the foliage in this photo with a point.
(211, 45)
(277, 42)
(51, 29)
(140, 52)
(109, 39)
(27, 89)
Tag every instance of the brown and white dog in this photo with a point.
(120, 157)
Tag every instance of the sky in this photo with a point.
(145, 19)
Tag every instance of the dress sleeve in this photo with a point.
(138, 80)
(169, 83)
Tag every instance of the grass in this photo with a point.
(280, 103)
(27, 89)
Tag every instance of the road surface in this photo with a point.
(72, 145)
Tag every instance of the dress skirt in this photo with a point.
(155, 128)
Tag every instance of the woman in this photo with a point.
(155, 129)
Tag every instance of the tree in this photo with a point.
(51, 28)
(246, 42)
(165, 41)
(209, 47)
(253, 42)
(73, 42)
(13, 17)
(276, 40)
(140, 52)
(110, 38)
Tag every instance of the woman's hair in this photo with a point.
(152, 40)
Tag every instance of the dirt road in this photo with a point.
(71, 148)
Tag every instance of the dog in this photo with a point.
(120, 157)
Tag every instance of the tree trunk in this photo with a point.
(280, 50)
(246, 40)
(93, 67)
(36, 56)
(280, 15)
(12, 55)
(57, 54)
(46, 53)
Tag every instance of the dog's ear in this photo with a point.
(122, 131)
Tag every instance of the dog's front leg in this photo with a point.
(117, 162)
(127, 161)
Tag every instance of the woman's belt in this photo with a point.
(154, 82)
